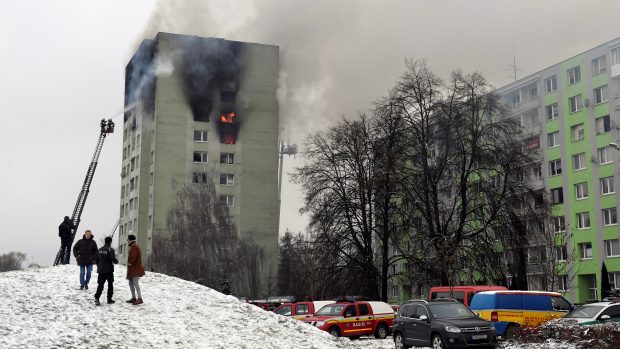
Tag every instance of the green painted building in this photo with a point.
(571, 114)
(207, 105)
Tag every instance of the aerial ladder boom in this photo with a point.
(107, 126)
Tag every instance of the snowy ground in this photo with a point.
(43, 308)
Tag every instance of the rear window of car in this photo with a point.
(450, 311)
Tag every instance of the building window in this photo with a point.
(551, 84)
(227, 179)
(199, 177)
(516, 99)
(577, 132)
(200, 136)
(585, 250)
(200, 157)
(581, 190)
(612, 248)
(583, 220)
(557, 196)
(559, 224)
(553, 111)
(599, 65)
(228, 200)
(563, 283)
(615, 56)
(533, 92)
(553, 139)
(603, 124)
(561, 253)
(579, 161)
(600, 95)
(574, 75)
(607, 185)
(604, 156)
(227, 158)
(532, 143)
(555, 167)
(610, 216)
(575, 103)
(614, 280)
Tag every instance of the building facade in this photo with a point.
(570, 113)
(201, 105)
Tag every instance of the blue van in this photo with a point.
(509, 309)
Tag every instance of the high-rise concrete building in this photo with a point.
(204, 105)
(571, 114)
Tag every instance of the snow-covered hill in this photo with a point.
(43, 308)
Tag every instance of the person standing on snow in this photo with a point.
(64, 231)
(135, 270)
(85, 253)
(106, 258)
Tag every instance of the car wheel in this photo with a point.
(437, 342)
(399, 342)
(510, 332)
(381, 332)
(334, 331)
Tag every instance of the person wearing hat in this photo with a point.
(106, 258)
(135, 270)
(85, 253)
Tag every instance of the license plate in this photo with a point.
(479, 336)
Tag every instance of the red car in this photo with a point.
(354, 319)
(300, 310)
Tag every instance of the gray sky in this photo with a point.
(62, 70)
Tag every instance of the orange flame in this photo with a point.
(227, 118)
(229, 138)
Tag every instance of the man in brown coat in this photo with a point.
(135, 270)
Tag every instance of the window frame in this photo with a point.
(610, 251)
(575, 103)
(229, 158)
(555, 167)
(227, 179)
(609, 216)
(609, 183)
(574, 75)
(577, 132)
(203, 138)
(555, 136)
(551, 84)
(203, 156)
(582, 159)
(603, 153)
(559, 224)
(583, 250)
(599, 65)
(581, 191)
(615, 56)
(600, 95)
(559, 198)
(552, 111)
(605, 122)
(582, 219)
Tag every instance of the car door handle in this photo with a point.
(357, 318)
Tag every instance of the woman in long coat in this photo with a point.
(135, 270)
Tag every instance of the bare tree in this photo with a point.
(12, 261)
(461, 181)
(202, 244)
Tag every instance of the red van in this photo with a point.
(463, 294)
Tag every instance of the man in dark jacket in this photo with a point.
(85, 253)
(64, 231)
(106, 258)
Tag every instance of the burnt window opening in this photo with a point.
(227, 118)
(228, 138)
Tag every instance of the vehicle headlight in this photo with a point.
(320, 323)
(453, 329)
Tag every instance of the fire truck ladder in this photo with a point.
(106, 127)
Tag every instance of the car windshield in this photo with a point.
(330, 309)
(585, 311)
(450, 311)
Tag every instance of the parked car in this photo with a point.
(441, 323)
(354, 319)
(300, 310)
(510, 309)
(594, 313)
(463, 294)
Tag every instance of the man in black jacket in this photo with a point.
(64, 231)
(106, 258)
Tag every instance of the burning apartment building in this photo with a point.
(204, 108)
